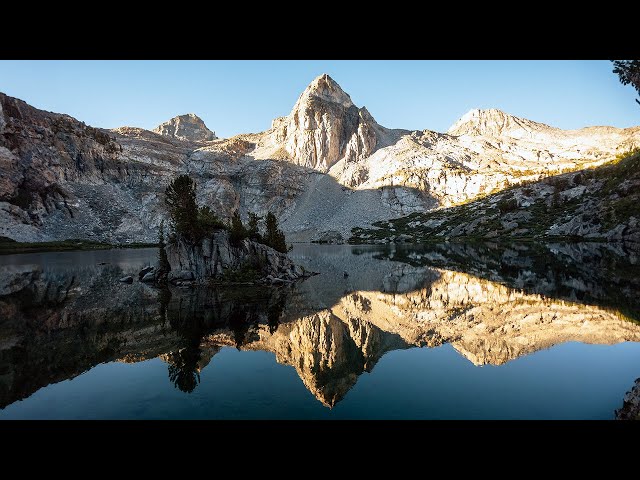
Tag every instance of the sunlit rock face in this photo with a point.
(325, 127)
(328, 352)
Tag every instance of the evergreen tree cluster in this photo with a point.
(189, 220)
(273, 237)
(193, 222)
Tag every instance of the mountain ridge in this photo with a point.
(324, 169)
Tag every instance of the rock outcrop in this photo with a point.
(187, 127)
(217, 256)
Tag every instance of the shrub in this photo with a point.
(507, 205)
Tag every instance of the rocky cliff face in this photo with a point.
(325, 168)
(187, 127)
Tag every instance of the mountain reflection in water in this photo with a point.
(62, 314)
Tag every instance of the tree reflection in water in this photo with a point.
(204, 312)
(183, 367)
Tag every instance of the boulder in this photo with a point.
(180, 275)
(404, 238)
(149, 277)
(144, 272)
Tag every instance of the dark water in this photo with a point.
(529, 331)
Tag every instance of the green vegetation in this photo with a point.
(180, 198)
(9, 246)
(248, 272)
(274, 237)
(209, 221)
(629, 73)
(252, 229)
(164, 267)
(507, 205)
(191, 222)
(237, 232)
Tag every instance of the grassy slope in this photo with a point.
(592, 204)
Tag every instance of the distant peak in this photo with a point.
(189, 127)
(326, 88)
(494, 122)
(477, 113)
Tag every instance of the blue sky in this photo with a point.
(244, 96)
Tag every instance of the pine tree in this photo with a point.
(164, 267)
(252, 230)
(274, 237)
(237, 232)
(180, 198)
(208, 221)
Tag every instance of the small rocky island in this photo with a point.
(202, 249)
(218, 259)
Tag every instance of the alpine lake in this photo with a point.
(441, 331)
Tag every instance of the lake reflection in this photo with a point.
(547, 323)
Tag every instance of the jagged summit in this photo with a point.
(187, 127)
(325, 127)
(494, 122)
(327, 89)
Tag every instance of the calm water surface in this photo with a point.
(411, 332)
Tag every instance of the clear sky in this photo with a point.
(244, 96)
